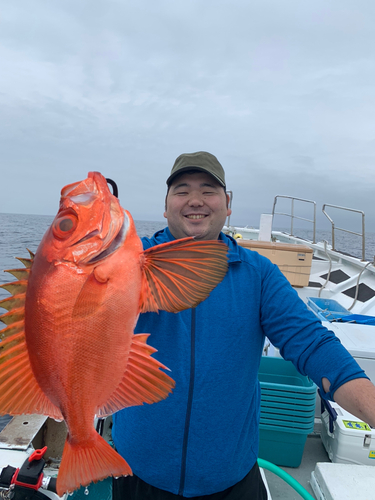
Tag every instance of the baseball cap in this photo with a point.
(203, 161)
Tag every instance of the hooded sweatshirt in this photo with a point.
(204, 437)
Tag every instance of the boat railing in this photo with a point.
(230, 194)
(292, 215)
(334, 228)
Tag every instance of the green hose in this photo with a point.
(264, 464)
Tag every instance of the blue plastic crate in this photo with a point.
(102, 490)
(327, 309)
(287, 412)
(287, 399)
(285, 425)
(282, 446)
(279, 377)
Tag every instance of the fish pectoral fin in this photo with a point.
(91, 297)
(143, 381)
(181, 274)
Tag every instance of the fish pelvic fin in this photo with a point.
(143, 382)
(20, 392)
(91, 461)
(180, 274)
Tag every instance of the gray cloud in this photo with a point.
(281, 92)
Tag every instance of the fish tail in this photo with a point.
(82, 464)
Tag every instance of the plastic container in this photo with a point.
(294, 416)
(346, 438)
(327, 309)
(318, 304)
(282, 446)
(343, 481)
(287, 411)
(280, 378)
(306, 425)
(286, 398)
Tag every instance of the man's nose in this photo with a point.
(195, 200)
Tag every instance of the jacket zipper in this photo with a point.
(189, 404)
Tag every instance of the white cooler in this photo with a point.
(343, 482)
(346, 439)
(359, 340)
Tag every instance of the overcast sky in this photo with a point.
(281, 91)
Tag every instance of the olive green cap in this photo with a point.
(203, 161)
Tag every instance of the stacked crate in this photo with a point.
(287, 411)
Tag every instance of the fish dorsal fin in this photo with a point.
(15, 287)
(143, 380)
(13, 302)
(20, 274)
(26, 262)
(181, 274)
(19, 390)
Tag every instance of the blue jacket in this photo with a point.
(204, 437)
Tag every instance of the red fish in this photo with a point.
(68, 350)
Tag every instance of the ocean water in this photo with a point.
(19, 232)
(344, 242)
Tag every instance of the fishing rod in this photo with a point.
(114, 187)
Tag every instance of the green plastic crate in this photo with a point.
(280, 377)
(102, 490)
(282, 446)
(287, 411)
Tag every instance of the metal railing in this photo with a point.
(362, 234)
(292, 215)
(230, 194)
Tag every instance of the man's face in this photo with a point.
(196, 205)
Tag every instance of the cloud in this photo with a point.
(282, 93)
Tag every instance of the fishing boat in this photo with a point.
(340, 289)
(336, 462)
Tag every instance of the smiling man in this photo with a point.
(196, 203)
(202, 441)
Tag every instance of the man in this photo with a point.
(202, 441)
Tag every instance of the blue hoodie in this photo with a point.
(204, 437)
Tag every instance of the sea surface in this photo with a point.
(19, 232)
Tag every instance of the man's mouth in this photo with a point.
(200, 216)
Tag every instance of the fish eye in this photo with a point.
(66, 225)
(63, 226)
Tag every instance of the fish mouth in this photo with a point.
(87, 237)
(116, 243)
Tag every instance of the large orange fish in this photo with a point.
(68, 350)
